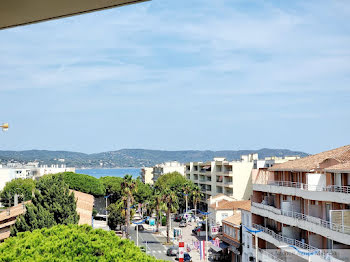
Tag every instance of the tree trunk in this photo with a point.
(168, 225)
(158, 218)
(127, 216)
(195, 208)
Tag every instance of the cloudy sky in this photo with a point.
(173, 75)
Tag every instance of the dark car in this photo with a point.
(187, 257)
(172, 251)
(178, 218)
(141, 228)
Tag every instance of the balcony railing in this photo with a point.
(311, 219)
(332, 188)
(290, 241)
(268, 254)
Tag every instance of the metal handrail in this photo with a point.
(294, 242)
(311, 219)
(303, 186)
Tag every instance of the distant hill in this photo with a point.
(133, 157)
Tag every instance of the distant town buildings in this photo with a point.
(150, 175)
(30, 170)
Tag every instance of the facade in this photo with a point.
(222, 209)
(304, 206)
(9, 172)
(231, 178)
(231, 235)
(151, 174)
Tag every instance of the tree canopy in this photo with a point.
(52, 204)
(70, 243)
(22, 187)
(83, 183)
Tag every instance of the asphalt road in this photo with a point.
(153, 243)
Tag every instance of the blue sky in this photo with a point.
(174, 75)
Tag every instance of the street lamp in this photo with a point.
(5, 126)
(256, 240)
(106, 197)
(137, 229)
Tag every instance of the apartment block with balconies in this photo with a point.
(231, 178)
(304, 206)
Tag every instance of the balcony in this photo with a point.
(340, 194)
(285, 243)
(264, 255)
(316, 225)
(228, 173)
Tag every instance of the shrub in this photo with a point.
(70, 243)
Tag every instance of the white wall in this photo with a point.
(316, 180)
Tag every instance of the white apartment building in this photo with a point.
(151, 174)
(7, 173)
(219, 176)
(303, 206)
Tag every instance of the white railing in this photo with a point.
(311, 219)
(268, 254)
(290, 241)
(333, 188)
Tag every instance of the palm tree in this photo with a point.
(157, 204)
(196, 197)
(129, 187)
(171, 201)
(187, 188)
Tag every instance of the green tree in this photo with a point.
(63, 243)
(171, 203)
(52, 204)
(83, 183)
(129, 187)
(196, 197)
(22, 187)
(113, 186)
(158, 205)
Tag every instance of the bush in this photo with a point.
(70, 243)
(163, 221)
(22, 187)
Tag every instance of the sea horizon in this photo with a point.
(116, 172)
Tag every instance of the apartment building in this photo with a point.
(231, 178)
(150, 175)
(9, 172)
(302, 208)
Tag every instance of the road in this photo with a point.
(154, 243)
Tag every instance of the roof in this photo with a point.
(235, 219)
(341, 154)
(345, 167)
(231, 205)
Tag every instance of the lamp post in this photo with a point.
(256, 240)
(5, 126)
(137, 229)
(106, 197)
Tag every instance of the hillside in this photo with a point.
(132, 157)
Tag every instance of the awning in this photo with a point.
(216, 249)
(18, 12)
(206, 167)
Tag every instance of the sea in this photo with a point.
(118, 172)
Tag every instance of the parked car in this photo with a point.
(178, 218)
(172, 251)
(187, 257)
(141, 228)
(183, 223)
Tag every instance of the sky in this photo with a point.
(176, 75)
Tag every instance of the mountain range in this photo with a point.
(132, 157)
